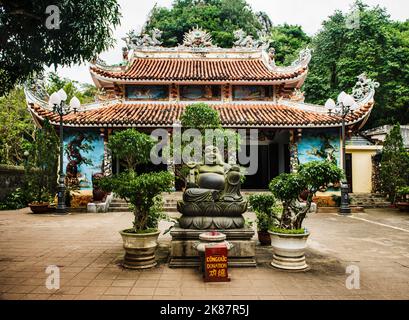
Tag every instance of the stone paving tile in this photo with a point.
(138, 291)
(90, 262)
(123, 283)
(116, 291)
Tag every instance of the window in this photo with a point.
(252, 92)
(201, 92)
(147, 92)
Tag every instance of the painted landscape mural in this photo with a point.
(83, 156)
(319, 145)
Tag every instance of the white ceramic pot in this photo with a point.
(139, 249)
(289, 251)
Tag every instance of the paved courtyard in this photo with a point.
(88, 250)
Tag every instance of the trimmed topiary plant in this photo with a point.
(289, 238)
(309, 178)
(141, 192)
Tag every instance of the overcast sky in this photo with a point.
(307, 13)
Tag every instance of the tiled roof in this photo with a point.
(231, 115)
(174, 69)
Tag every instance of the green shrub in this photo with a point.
(15, 200)
(131, 147)
(309, 178)
(141, 192)
(288, 231)
(264, 206)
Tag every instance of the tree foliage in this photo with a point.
(132, 147)
(377, 46)
(287, 40)
(200, 116)
(394, 170)
(42, 162)
(220, 17)
(83, 91)
(16, 127)
(27, 44)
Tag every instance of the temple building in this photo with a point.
(152, 86)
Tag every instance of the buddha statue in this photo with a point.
(212, 198)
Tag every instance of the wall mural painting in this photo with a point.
(200, 92)
(320, 145)
(147, 92)
(83, 156)
(249, 93)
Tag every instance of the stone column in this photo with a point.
(293, 146)
(169, 161)
(107, 166)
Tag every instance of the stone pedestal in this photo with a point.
(183, 253)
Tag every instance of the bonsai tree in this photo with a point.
(394, 169)
(41, 164)
(264, 205)
(140, 191)
(131, 147)
(288, 187)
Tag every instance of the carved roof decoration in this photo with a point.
(197, 38)
(197, 60)
(134, 40)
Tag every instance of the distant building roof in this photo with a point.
(378, 134)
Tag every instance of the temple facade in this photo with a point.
(152, 86)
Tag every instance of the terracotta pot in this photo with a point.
(264, 238)
(403, 206)
(39, 207)
(98, 195)
(139, 249)
(289, 250)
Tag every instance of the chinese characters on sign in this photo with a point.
(216, 263)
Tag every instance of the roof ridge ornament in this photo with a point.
(244, 40)
(363, 87)
(134, 40)
(197, 38)
(304, 58)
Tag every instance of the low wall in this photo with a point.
(11, 178)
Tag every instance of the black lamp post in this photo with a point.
(345, 104)
(57, 101)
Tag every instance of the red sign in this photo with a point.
(215, 263)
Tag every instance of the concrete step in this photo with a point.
(118, 209)
(369, 200)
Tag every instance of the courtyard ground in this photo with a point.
(88, 250)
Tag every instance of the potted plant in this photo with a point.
(97, 193)
(41, 168)
(402, 195)
(263, 206)
(142, 193)
(289, 238)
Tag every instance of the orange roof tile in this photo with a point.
(231, 115)
(174, 69)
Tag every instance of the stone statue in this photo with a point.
(212, 198)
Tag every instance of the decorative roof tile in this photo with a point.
(209, 70)
(232, 115)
